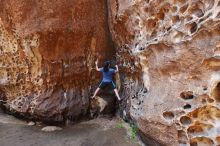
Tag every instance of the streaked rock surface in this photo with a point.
(47, 54)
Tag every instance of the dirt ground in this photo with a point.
(98, 132)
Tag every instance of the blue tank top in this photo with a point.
(107, 76)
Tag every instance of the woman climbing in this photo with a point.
(107, 73)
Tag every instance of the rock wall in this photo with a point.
(47, 54)
(169, 53)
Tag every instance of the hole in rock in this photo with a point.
(198, 13)
(189, 18)
(145, 90)
(174, 9)
(187, 106)
(218, 15)
(161, 16)
(169, 28)
(168, 115)
(195, 129)
(137, 21)
(187, 95)
(177, 124)
(210, 100)
(182, 138)
(175, 19)
(193, 27)
(203, 101)
(209, 15)
(184, 8)
(216, 92)
(217, 139)
(201, 141)
(141, 48)
(201, 20)
(185, 120)
(193, 144)
(199, 128)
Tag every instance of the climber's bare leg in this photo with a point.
(96, 91)
(116, 92)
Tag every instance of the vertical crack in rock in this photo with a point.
(169, 54)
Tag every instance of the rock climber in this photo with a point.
(107, 73)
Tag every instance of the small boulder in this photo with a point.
(51, 128)
(31, 123)
(102, 106)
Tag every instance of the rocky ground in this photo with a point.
(99, 132)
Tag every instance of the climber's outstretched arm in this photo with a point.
(116, 66)
(96, 64)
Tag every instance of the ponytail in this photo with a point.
(106, 66)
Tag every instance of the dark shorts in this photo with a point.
(103, 85)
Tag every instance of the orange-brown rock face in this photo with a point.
(170, 55)
(47, 54)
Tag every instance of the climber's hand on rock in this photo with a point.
(116, 66)
(96, 62)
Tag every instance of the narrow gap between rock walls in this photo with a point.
(105, 103)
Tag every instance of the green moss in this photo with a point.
(120, 125)
(133, 131)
